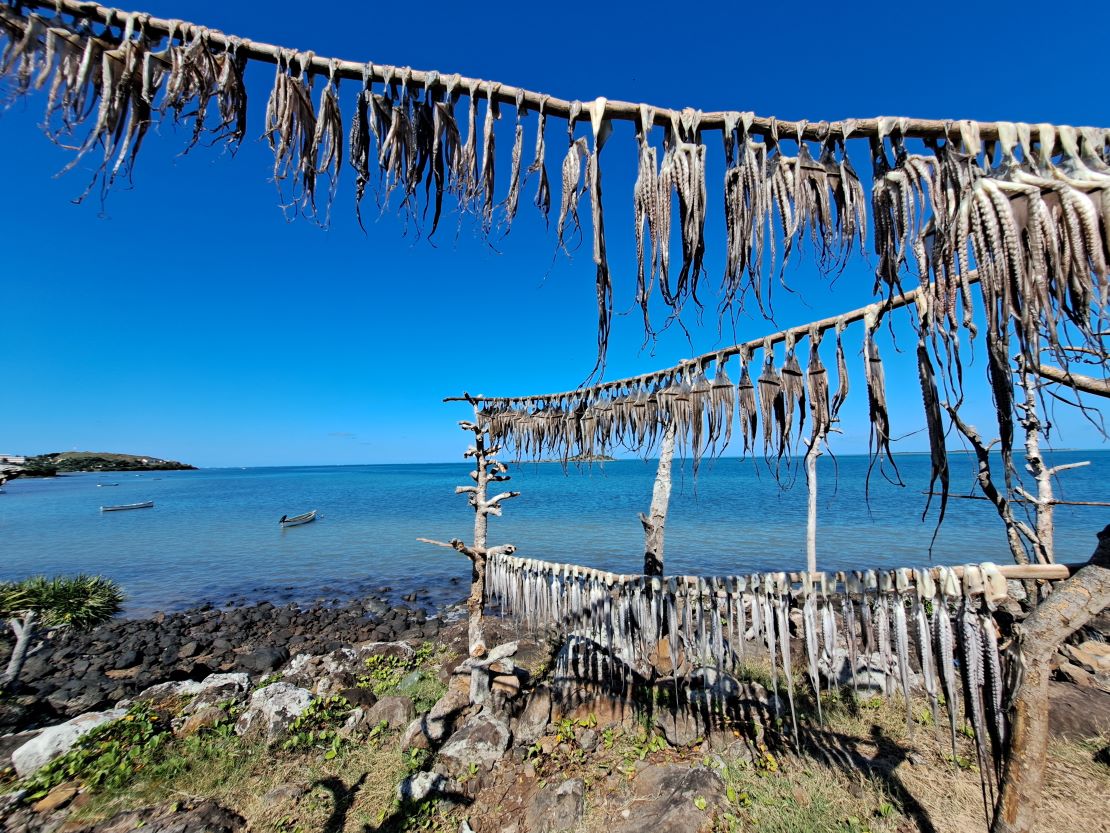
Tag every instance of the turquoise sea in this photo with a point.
(213, 533)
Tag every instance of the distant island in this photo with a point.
(584, 458)
(48, 465)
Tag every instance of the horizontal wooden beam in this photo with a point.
(877, 308)
(529, 99)
(1041, 572)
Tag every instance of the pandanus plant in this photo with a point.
(81, 602)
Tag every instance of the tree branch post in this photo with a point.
(1071, 605)
(487, 469)
(1045, 501)
(656, 521)
(990, 491)
(23, 629)
(812, 453)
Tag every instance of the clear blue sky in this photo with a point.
(190, 320)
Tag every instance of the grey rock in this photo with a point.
(396, 711)
(283, 794)
(554, 811)
(398, 650)
(535, 717)
(205, 817)
(664, 797)
(10, 743)
(481, 740)
(263, 660)
(272, 709)
(57, 740)
(588, 741)
(424, 785)
(679, 727)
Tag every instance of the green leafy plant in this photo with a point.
(81, 602)
(109, 756)
(315, 727)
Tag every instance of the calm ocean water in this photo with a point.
(213, 533)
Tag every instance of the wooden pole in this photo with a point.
(877, 308)
(487, 470)
(508, 94)
(812, 453)
(656, 520)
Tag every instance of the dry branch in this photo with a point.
(507, 94)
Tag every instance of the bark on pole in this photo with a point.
(23, 631)
(656, 521)
(1044, 501)
(1070, 606)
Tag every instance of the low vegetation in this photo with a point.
(68, 461)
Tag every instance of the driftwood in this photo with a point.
(507, 94)
(655, 522)
(1071, 605)
(1077, 381)
(487, 470)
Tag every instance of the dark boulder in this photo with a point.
(263, 660)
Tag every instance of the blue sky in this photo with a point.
(187, 319)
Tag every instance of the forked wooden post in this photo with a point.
(487, 469)
(1071, 605)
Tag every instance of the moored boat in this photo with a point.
(145, 505)
(297, 520)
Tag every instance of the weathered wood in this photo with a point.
(1077, 381)
(877, 309)
(1001, 502)
(815, 130)
(812, 453)
(656, 521)
(1054, 502)
(1040, 572)
(1071, 605)
(23, 627)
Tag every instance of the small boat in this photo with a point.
(297, 520)
(146, 505)
(102, 485)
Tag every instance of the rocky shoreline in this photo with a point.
(71, 673)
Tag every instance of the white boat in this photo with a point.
(297, 520)
(145, 505)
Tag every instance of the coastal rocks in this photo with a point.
(430, 729)
(272, 709)
(481, 741)
(57, 740)
(532, 723)
(558, 810)
(57, 798)
(263, 660)
(425, 785)
(674, 799)
(204, 817)
(394, 711)
(73, 672)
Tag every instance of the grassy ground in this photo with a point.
(864, 769)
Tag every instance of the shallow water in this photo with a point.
(214, 533)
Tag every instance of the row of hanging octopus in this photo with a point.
(774, 403)
(909, 628)
(1030, 210)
